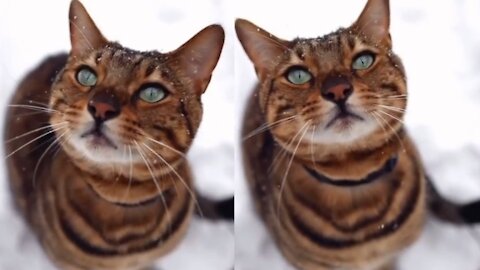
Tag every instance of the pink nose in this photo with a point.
(337, 89)
(101, 110)
(104, 106)
(339, 92)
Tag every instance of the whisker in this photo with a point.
(166, 146)
(164, 202)
(46, 105)
(392, 129)
(311, 143)
(394, 98)
(304, 130)
(392, 108)
(121, 170)
(192, 194)
(279, 157)
(378, 122)
(57, 139)
(33, 140)
(267, 126)
(402, 95)
(391, 116)
(35, 130)
(127, 192)
(32, 107)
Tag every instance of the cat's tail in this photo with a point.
(450, 211)
(215, 209)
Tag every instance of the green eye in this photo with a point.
(86, 77)
(298, 75)
(152, 93)
(363, 61)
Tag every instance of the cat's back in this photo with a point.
(27, 133)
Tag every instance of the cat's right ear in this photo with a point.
(263, 48)
(84, 34)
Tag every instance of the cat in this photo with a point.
(98, 166)
(332, 171)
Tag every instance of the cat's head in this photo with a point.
(344, 89)
(121, 106)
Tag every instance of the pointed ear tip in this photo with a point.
(216, 31)
(242, 23)
(75, 4)
(75, 7)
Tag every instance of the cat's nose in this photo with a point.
(337, 89)
(104, 106)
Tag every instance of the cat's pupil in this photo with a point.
(363, 61)
(86, 77)
(298, 76)
(152, 94)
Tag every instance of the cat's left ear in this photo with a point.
(198, 57)
(84, 34)
(374, 22)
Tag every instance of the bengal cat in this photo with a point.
(98, 167)
(332, 170)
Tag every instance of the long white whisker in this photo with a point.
(192, 194)
(267, 126)
(311, 143)
(391, 116)
(304, 130)
(166, 146)
(35, 130)
(164, 202)
(392, 108)
(38, 103)
(57, 139)
(379, 123)
(279, 157)
(392, 129)
(33, 140)
(32, 107)
(127, 192)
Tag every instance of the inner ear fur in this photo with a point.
(197, 57)
(263, 48)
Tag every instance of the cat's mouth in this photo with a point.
(344, 118)
(97, 138)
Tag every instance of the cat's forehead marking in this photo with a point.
(329, 51)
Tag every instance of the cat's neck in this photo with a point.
(127, 185)
(350, 162)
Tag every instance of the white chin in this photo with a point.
(100, 152)
(341, 132)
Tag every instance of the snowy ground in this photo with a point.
(439, 42)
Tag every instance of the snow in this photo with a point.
(439, 42)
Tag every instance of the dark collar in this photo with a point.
(371, 177)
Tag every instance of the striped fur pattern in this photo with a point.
(295, 132)
(114, 193)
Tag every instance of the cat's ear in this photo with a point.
(84, 34)
(198, 56)
(374, 22)
(262, 48)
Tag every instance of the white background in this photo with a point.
(439, 42)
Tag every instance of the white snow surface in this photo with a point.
(439, 42)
